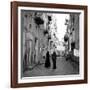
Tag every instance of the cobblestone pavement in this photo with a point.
(63, 68)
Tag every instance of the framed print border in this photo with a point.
(14, 43)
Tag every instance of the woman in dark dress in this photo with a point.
(47, 61)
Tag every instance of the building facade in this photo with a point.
(73, 31)
(37, 30)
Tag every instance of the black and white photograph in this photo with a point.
(49, 43)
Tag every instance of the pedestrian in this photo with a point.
(54, 59)
(72, 47)
(47, 61)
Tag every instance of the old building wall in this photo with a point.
(74, 30)
(34, 40)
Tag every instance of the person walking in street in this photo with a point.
(54, 59)
(47, 61)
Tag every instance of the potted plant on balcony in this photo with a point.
(38, 21)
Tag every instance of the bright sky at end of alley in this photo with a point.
(61, 27)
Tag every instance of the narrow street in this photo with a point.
(63, 68)
(44, 34)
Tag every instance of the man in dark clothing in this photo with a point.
(72, 47)
(54, 59)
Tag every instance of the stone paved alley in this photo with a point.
(63, 68)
